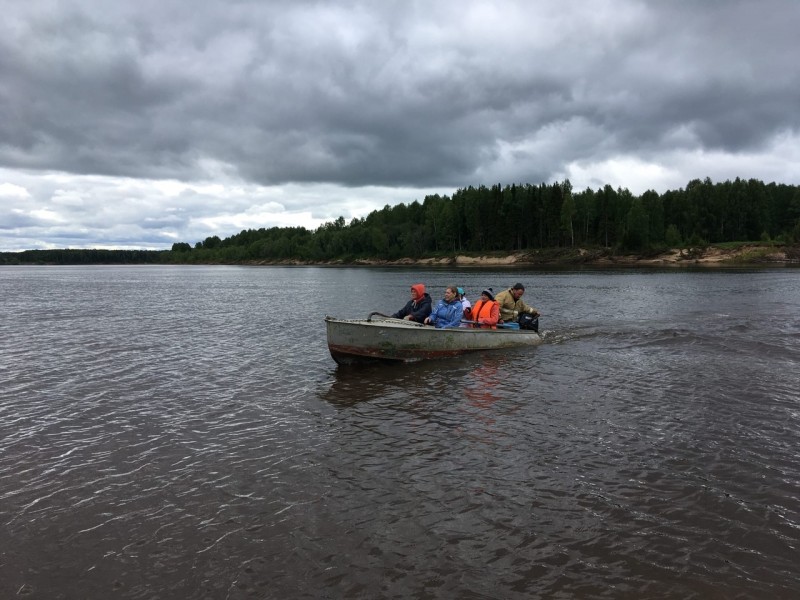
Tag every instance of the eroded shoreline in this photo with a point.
(742, 256)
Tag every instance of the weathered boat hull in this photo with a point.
(355, 340)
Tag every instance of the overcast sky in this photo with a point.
(139, 124)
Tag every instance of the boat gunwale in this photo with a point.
(402, 324)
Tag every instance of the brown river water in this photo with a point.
(182, 432)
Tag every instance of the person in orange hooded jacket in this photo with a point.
(486, 311)
(418, 307)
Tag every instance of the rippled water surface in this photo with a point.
(182, 432)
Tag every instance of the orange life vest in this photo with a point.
(484, 310)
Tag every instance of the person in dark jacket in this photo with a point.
(418, 307)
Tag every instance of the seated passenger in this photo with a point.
(418, 307)
(486, 312)
(511, 304)
(465, 304)
(448, 311)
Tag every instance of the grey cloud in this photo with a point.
(10, 221)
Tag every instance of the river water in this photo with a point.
(182, 432)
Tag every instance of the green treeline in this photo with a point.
(527, 217)
(505, 219)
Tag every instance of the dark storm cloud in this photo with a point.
(365, 95)
(723, 70)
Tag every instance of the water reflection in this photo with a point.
(482, 386)
(479, 378)
(384, 381)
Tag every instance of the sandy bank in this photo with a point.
(711, 256)
(747, 255)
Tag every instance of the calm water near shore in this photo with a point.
(182, 432)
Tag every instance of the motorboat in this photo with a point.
(383, 338)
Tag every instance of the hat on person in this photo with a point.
(419, 288)
(489, 292)
(518, 286)
(460, 291)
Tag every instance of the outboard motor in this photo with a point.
(528, 321)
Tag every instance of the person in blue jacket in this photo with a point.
(448, 312)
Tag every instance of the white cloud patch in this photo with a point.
(108, 212)
(10, 192)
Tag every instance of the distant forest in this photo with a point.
(499, 219)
